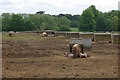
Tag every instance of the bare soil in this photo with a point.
(44, 58)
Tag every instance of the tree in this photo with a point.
(111, 13)
(114, 23)
(87, 22)
(17, 23)
(6, 19)
(95, 11)
(43, 26)
(29, 26)
(108, 25)
(73, 18)
(63, 21)
(0, 24)
(64, 28)
(90, 20)
(119, 21)
(50, 22)
(100, 23)
(119, 25)
(36, 19)
(45, 21)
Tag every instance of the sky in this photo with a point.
(55, 7)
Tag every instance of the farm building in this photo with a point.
(87, 36)
(60, 34)
(102, 37)
(73, 34)
(116, 38)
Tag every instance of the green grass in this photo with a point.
(115, 33)
(23, 38)
(77, 30)
(74, 30)
(0, 33)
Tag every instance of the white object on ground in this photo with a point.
(83, 55)
(70, 55)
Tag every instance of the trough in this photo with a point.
(86, 43)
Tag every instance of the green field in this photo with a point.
(23, 36)
(74, 30)
(77, 30)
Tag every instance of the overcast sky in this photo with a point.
(55, 6)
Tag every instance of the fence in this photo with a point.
(102, 37)
(60, 34)
(87, 36)
(73, 35)
(116, 39)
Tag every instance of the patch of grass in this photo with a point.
(0, 33)
(115, 33)
(74, 30)
(77, 30)
(6, 33)
(23, 37)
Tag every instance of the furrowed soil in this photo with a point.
(37, 57)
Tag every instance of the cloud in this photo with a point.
(5, 3)
(55, 6)
(119, 6)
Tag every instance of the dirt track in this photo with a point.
(44, 57)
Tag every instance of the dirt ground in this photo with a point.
(36, 57)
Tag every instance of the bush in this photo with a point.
(64, 28)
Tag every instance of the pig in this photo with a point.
(44, 34)
(77, 51)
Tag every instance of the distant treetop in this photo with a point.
(40, 12)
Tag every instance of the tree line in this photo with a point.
(95, 20)
(90, 20)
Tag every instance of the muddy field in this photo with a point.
(31, 56)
